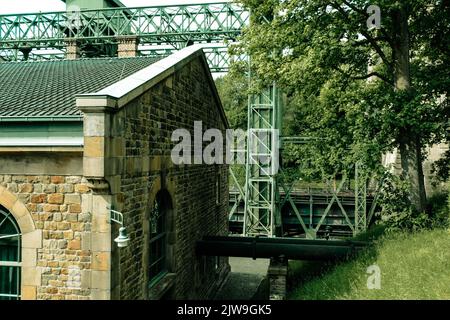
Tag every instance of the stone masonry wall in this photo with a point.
(54, 203)
(142, 133)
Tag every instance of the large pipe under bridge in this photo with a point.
(279, 250)
(287, 248)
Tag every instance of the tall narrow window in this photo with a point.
(158, 238)
(10, 257)
(218, 191)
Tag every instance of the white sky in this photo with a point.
(29, 6)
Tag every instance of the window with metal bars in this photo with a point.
(10, 256)
(158, 238)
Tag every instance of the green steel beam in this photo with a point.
(176, 26)
(218, 58)
(211, 22)
(360, 198)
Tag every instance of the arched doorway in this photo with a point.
(10, 256)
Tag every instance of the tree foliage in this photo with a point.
(360, 92)
(233, 91)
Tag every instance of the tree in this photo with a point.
(233, 91)
(365, 90)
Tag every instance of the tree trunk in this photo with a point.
(412, 171)
(409, 144)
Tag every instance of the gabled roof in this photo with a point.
(47, 89)
(121, 92)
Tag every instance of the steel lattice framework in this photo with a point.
(217, 56)
(262, 215)
(175, 26)
(360, 198)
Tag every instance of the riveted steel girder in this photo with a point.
(177, 26)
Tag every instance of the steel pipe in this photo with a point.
(289, 248)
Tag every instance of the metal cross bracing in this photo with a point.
(265, 181)
(262, 201)
(261, 213)
(360, 198)
(343, 207)
(218, 58)
(356, 222)
(266, 194)
(209, 22)
(176, 26)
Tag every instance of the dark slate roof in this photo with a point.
(48, 88)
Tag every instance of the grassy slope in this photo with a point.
(413, 266)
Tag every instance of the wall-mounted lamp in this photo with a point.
(115, 216)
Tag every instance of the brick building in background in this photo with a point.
(80, 136)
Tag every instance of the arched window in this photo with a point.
(158, 236)
(10, 256)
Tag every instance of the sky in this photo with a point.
(29, 6)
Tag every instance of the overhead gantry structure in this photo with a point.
(159, 30)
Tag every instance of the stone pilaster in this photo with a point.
(277, 278)
(127, 47)
(97, 169)
(72, 50)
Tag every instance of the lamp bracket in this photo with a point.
(115, 216)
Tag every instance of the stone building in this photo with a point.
(392, 160)
(79, 137)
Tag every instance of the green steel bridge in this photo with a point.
(159, 30)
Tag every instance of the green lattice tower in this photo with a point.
(262, 214)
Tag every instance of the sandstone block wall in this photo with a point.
(61, 264)
(141, 132)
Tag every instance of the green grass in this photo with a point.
(413, 266)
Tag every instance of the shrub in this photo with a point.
(397, 213)
(439, 210)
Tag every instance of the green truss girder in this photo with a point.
(218, 58)
(16, 55)
(158, 25)
(212, 22)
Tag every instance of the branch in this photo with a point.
(364, 42)
(371, 40)
(366, 15)
(374, 74)
(367, 76)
